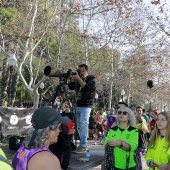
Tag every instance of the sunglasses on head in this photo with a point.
(124, 112)
(117, 107)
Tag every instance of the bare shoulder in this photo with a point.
(44, 161)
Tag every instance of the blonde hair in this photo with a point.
(132, 118)
(156, 131)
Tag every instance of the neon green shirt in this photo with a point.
(130, 135)
(160, 154)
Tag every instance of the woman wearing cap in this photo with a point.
(122, 141)
(34, 153)
(158, 153)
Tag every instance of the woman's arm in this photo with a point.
(169, 164)
(125, 146)
(133, 140)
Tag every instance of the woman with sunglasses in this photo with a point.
(158, 153)
(122, 141)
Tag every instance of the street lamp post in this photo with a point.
(122, 93)
(41, 90)
(11, 62)
(164, 107)
(150, 102)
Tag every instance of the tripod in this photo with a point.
(61, 89)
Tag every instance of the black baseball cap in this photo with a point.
(45, 116)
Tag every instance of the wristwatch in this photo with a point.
(121, 145)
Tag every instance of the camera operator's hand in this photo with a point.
(75, 77)
(80, 81)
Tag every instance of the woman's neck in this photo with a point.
(123, 125)
(163, 132)
(47, 144)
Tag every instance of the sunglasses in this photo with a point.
(124, 112)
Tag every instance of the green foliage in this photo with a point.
(7, 15)
(22, 93)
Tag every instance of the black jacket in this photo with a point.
(85, 96)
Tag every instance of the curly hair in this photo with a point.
(42, 136)
(156, 131)
(132, 118)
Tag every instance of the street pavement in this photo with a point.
(96, 159)
(97, 156)
(144, 166)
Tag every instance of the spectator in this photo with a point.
(121, 104)
(85, 86)
(118, 106)
(34, 153)
(62, 148)
(158, 153)
(154, 115)
(144, 123)
(145, 116)
(99, 119)
(122, 141)
(91, 125)
(70, 126)
(141, 142)
(110, 119)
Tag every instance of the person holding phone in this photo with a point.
(158, 153)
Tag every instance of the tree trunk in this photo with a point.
(4, 82)
(36, 99)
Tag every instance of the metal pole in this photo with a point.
(40, 97)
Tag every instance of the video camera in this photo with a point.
(63, 80)
(53, 72)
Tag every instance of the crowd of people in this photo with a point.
(132, 134)
(122, 132)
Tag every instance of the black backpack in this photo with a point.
(142, 140)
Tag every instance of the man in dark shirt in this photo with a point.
(85, 87)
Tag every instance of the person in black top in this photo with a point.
(62, 148)
(85, 87)
(71, 126)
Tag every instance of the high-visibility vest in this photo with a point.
(4, 164)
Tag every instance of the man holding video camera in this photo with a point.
(85, 86)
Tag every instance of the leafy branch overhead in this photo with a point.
(125, 43)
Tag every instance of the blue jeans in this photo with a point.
(82, 116)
